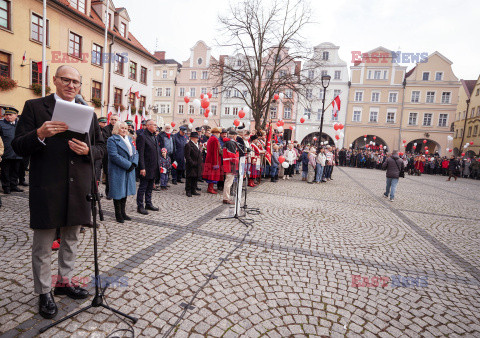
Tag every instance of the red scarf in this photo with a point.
(168, 135)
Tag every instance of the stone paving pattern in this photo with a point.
(291, 277)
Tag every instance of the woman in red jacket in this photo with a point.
(212, 169)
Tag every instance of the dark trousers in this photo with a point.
(24, 163)
(105, 172)
(163, 180)
(191, 184)
(289, 170)
(145, 189)
(177, 174)
(10, 170)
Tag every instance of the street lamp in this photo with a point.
(325, 83)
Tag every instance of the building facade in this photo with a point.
(310, 106)
(467, 119)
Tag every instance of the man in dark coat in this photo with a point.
(180, 141)
(107, 132)
(193, 164)
(11, 162)
(394, 165)
(149, 166)
(60, 180)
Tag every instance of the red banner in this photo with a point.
(268, 152)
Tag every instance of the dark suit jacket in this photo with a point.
(193, 160)
(60, 180)
(149, 154)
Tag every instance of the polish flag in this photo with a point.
(40, 67)
(108, 117)
(24, 57)
(129, 112)
(136, 122)
(137, 95)
(163, 170)
(174, 164)
(144, 116)
(336, 105)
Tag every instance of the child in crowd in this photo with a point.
(165, 166)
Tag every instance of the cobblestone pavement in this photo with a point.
(292, 276)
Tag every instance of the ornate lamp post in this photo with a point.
(325, 83)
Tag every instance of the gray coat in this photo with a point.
(393, 164)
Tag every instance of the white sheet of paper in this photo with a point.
(77, 116)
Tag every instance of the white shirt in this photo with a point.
(127, 142)
(59, 98)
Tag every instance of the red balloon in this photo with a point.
(280, 123)
(471, 143)
(209, 94)
(314, 138)
(191, 120)
(205, 104)
(172, 124)
(236, 122)
(463, 154)
(340, 126)
(424, 141)
(276, 97)
(426, 151)
(186, 99)
(374, 138)
(241, 114)
(365, 135)
(401, 154)
(281, 159)
(450, 150)
(202, 96)
(381, 146)
(335, 126)
(302, 120)
(206, 112)
(404, 141)
(337, 137)
(414, 147)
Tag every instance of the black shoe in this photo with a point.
(179, 181)
(16, 189)
(82, 230)
(46, 306)
(163, 188)
(74, 292)
(272, 179)
(194, 193)
(123, 203)
(151, 207)
(156, 189)
(118, 211)
(198, 189)
(24, 184)
(109, 198)
(141, 210)
(189, 194)
(174, 182)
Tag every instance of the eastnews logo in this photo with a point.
(383, 57)
(395, 281)
(97, 58)
(89, 281)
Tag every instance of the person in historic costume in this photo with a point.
(212, 168)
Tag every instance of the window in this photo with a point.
(204, 75)
(180, 109)
(446, 97)
(412, 119)
(142, 103)
(5, 14)
(325, 56)
(215, 92)
(164, 74)
(132, 99)
(132, 73)
(321, 94)
(374, 116)
(456, 133)
(392, 97)
(475, 131)
(235, 111)
(143, 75)
(334, 118)
(427, 119)
(425, 76)
(117, 96)
(202, 111)
(375, 97)
(308, 113)
(469, 133)
(359, 96)
(109, 21)
(193, 75)
(461, 133)
(159, 91)
(97, 55)
(199, 61)
(269, 74)
(36, 32)
(288, 93)
(191, 110)
(438, 76)
(119, 62)
(236, 93)
(282, 74)
(78, 5)
(36, 74)
(213, 109)
(167, 91)
(5, 64)
(430, 97)
(309, 94)
(123, 30)
(390, 117)
(311, 74)
(336, 93)
(415, 96)
(75, 45)
(181, 92)
(377, 74)
(287, 113)
(324, 72)
(203, 91)
(192, 92)
(472, 114)
(478, 111)
(357, 115)
(478, 92)
(385, 74)
(442, 120)
(228, 93)
(227, 111)
(273, 112)
(337, 75)
(96, 90)
(165, 109)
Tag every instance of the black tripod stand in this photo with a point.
(98, 300)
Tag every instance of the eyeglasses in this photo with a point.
(66, 81)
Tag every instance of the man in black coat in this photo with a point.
(149, 166)
(193, 164)
(11, 162)
(60, 180)
(107, 132)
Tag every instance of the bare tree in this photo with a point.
(268, 50)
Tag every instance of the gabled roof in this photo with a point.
(169, 62)
(468, 85)
(441, 56)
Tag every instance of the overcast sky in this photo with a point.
(411, 26)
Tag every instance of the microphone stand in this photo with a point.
(97, 301)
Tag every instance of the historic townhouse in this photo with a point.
(310, 106)
(165, 74)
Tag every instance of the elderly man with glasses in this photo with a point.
(60, 180)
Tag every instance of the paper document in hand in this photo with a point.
(78, 117)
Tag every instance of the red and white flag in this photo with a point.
(144, 116)
(24, 57)
(174, 164)
(108, 117)
(137, 95)
(129, 112)
(163, 170)
(136, 122)
(336, 105)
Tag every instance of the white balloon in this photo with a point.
(385, 148)
(415, 144)
(280, 129)
(196, 103)
(190, 126)
(285, 165)
(293, 127)
(351, 145)
(205, 121)
(448, 149)
(465, 146)
(281, 95)
(210, 114)
(342, 134)
(187, 94)
(449, 138)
